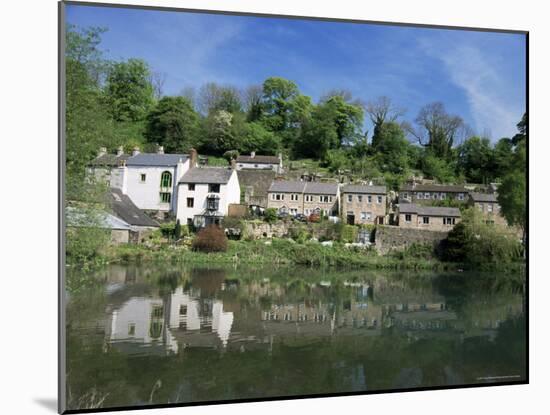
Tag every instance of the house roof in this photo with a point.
(429, 210)
(321, 188)
(84, 218)
(484, 197)
(124, 208)
(111, 160)
(155, 159)
(259, 180)
(258, 159)
(214, 175)
(355, 188)
(285, 186)
(450, 188)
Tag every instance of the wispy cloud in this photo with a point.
(493, 98)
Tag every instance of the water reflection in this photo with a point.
(281, 335)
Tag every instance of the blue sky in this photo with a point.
(477, 75)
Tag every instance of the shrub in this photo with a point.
(270, 215)
(177, 230)
(210, 239)
(348, 233)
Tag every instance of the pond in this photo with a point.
(146, 335)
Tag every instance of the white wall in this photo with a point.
(229, 193)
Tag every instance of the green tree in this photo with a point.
(391, 148)
(503, 154)
(129, 92)
(475, 159)
(174, 124)
(177, 230)
(380, 111)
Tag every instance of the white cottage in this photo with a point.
(151, 179)
(205, 193)
(259, 162)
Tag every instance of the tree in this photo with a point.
(278, 97)
(157, 81)
(254, 137)
(475, 159)
(219, 136)
(382, 110)
(503, 154)
(177, 230)
(129, 92)
(391, 148)
(252, 100)
(174, 124)
(213, 97)
(437, 130)
(522, 130)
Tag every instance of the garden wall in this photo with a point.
(396, 238)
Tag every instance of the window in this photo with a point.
(165, 197)
(408, 217)
(183, 310)
(309, 198)
(369, 199)
(350, 198)
(379, 199)
(212, 203)
(443, 196)
(294, 197)
(191, 187)
(363, 215)
(426, 195)
(278, 196)
(419, 195)
(166, 180)
(448, 221)
(359, 198)
(214, 188)
(325, 199)
(425, 220)
(131, 329)
(489, 207)
(461, 196)
(369, 215)
(405, 195)
(480, 206)
(190, 202)
(189, 222)
(294, 211)
(142, 177)
(434, 196)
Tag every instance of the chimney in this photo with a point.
(370, 182)
(252, 154)
(193, 158)
(160, 150)
(233, 164)
(120, 151)
(135, 151)
(102, 151)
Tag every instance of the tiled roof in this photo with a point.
(428, 210)
(355, 188)
(284, 186)
(450, 188)
(259, 180)
(215, 175)
(154, 159)
(258, 159)
(321, 188)
(124, 208)
(484, 197)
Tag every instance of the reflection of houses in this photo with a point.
(364, 204)
(204, 195)
(304, 197)
(420, 193)
(258, 162)
(412, 215)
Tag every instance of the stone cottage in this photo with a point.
(487, 204)
(297, 197)
(362, 204)
(422, 193)
(259, 162)
(412, 215)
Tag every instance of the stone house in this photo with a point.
(259, 162)
(297, 197)
(205, 193)
(362, 204)
(120, 232)
(487, 204)
(254, 186)
(100, 167)
(412, 215)
(422, 193)
(123, 207)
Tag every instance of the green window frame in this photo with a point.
(166, 179)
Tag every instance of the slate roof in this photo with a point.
(484, 197)
(258, 159)
(214, 175)
(84, 218)
(259, 180)
(111, 160)
(156, 160)
(355, 188)
(124, 208)
(449, 188)
(321, 188)
(429, 210)
(284, 186)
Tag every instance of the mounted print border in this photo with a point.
(261, 207)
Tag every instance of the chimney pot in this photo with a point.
(233, 164)
(252, 154)
(160, 150)
(135, 151)
(193, 158)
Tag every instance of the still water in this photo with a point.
(148, 335)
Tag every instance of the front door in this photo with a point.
(350, 218)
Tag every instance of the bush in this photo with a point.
(210, 239)
(270, 215)
(348, 233)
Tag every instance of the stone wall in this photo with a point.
(390, 238)
(258, 230)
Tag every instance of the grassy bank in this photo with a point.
(278, 252)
